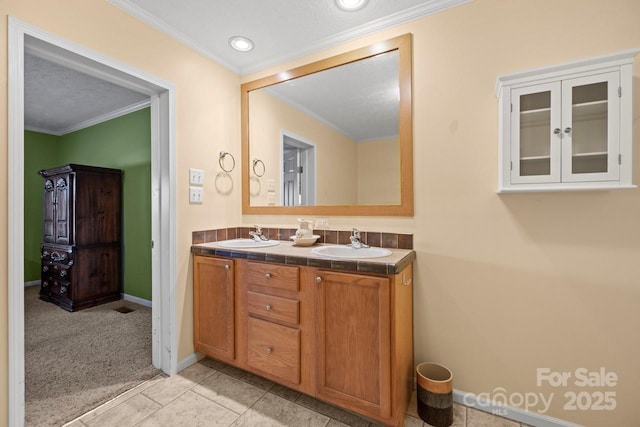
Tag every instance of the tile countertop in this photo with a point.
(287, 253)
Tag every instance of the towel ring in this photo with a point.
(257, 162)
(224, 154)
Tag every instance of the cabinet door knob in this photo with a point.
(267, 307)
(269, 350)
(318, 279)
(268, 275)
(557, 131)
(567, 130)
(226, 267)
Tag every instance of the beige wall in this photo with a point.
(379, 172)
(207, 121)
(336, 154)
(504, 284)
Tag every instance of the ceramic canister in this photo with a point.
(304, 231)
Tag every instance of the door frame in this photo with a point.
(163, 199)
(310, 164)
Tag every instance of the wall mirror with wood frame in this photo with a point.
(333, 137)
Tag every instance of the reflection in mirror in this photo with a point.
(346, 118)
(335, 136)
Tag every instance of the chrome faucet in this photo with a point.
(257, 235)
(356, 243)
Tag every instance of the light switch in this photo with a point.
(196, 177)
(195, 195)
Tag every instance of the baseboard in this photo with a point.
(32, 283)
(188, 361)
(516, 414)
(137, 300)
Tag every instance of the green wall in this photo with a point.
(40, 152)
(122, 143)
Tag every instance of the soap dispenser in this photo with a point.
(304, 230)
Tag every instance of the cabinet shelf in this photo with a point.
(591, 154)
(590, 110)
(535, 117)
(533, 158)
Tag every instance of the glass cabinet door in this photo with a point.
(590, 132)
(535, 128)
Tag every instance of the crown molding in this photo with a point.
(94, 121)
(408, 15)
(149, 19)
(411, 14)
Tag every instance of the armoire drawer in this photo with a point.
(274, 308)
(274, 349)
(58, 287)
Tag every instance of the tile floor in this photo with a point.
(210, 393)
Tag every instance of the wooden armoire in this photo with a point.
(81, 238)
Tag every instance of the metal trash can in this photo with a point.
(435, 394)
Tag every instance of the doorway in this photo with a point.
(163, 225)
(298, 171)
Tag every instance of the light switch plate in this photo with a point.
(195, 195)
(196, 177)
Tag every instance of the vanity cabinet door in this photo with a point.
(353, 327)
(214, 307)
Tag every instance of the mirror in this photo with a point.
(333, 137)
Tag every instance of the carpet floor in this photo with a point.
(74, 362)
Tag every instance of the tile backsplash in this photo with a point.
(372, 238)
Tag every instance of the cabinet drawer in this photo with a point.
(56, 269)
(58, 287)
(274, 349)
(274, 308)
(273, 276)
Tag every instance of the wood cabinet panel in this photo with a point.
(353, 325)
(273, 308)
(214, 307)
(274, 349)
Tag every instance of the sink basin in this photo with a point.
(247, 243)
(347, 252)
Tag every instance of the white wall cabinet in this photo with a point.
(567, 127)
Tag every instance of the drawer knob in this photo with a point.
(268, 275)
(45, 269)
(45, 284)
(63, 273)
(267, 307)
(269, 350)
(63, 289)
(318, 279)
(226, 267)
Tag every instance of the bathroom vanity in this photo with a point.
(339, 330)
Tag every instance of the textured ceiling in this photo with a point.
(60, 99)
(57, 99)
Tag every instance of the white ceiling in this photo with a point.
(59, 99)
(280, 29)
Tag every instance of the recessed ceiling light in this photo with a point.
(241, 44)
(351, 5)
